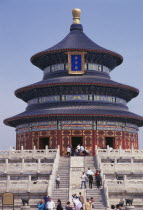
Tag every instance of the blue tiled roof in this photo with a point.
(76, 80)
(77, 40)
(93, 111)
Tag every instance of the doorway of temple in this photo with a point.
(110, 141)
(76, 141)
(43, 142)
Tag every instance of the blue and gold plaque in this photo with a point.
(76, 63)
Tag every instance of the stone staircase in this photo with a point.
(62, 193)
(97, 194)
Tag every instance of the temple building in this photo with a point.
(76, 102)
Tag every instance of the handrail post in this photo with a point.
(9, 154)
(21, 152)
(132, 150)
(33, 151)
(7, 183)
(54, 171)
(46, 151)
(132, 165)
(115, 163)
(108, 151)
(29, 183)
(6, 166)
(125, 180)
(38, 165)
(120, 151)
(22, 165)
(96, 150)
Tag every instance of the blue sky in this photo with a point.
(29, 26)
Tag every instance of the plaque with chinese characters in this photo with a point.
(76, 63)
(8, 199)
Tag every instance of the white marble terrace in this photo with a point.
(128, 166)
(28, 172)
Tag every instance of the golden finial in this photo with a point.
(76, 15)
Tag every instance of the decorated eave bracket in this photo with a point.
(76, 63)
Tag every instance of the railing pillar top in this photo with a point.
(8, 177)
(108, 150)
(120, 147)
(125, 177)
(132, 146)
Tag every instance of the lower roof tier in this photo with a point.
(79, 85)
(74, 112)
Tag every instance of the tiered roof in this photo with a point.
(61, 83)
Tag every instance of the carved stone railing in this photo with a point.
(105, 187)
(118, 161)
(119, 153)
(23, 186)
(22, 167)
(54, 171)
(106, 194)
(15, 154)
(122, 168)
(125, 185)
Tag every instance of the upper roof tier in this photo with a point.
(76, 40)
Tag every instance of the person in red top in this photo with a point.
(96, 173)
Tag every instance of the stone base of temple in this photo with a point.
(32, 173)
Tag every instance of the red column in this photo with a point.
(137, 142)
(30, 139)
(59, 140)
(94, 142)
(123, 139)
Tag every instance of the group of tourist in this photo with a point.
(123, 201)
(47, 203)
(88, 177)
(117, 207)
(78, 151)
(78, 203)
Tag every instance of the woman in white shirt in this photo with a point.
(50, 204)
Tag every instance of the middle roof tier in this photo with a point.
(77, 85)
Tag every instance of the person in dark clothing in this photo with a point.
(57, 181)
(98, 181)
(68, 206)
(59, 205)
(112, 207)
(46, 199)
(90, 178)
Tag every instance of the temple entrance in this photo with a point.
(43, 142)
(76, 141)
(110, 141)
